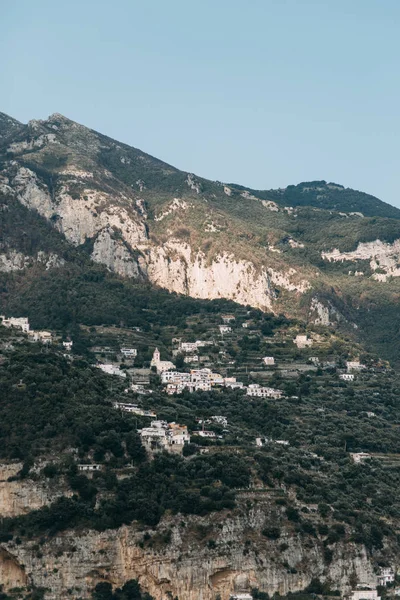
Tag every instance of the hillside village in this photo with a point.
(247, 377)
(186, 392)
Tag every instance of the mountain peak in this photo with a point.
(8, 125)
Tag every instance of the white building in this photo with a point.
(134, 409)
(89, 467)
(138, 388)
(188, 347)
(164, 436)
(228, 318)
(17, 322)
(354, 365)
(234, 385)
(256, 390)
(359, 457)
(129, 352)
(269, 360)
(225, 329)
(175, 377)
(207, 434)
(386, 575)
(346, 376)
(42, 336)
(364, 593)
(178, 435)
(262, 441)
(221, 420)
(241, 596)
(161, 365)
(111, 370)
(302, 341)
(197, 380)
(192, 358)
(68, 345)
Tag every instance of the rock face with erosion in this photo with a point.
(186, 566)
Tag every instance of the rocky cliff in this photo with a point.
(193, 558)
(142, 218)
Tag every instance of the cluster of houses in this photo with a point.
(190, 350)
(164, 436)
(197, 380)
(22, 323)
(366, 592)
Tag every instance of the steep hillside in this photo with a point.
(315, 251)
(331, 196)
(290, 512)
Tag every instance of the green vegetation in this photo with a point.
(330, 196)
(131, 590)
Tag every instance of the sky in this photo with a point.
(265, 93)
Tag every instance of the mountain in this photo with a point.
(106, 249)
(315, 251)
(329, 196)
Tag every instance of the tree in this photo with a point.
(103, 591)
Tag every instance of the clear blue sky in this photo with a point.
(260, 92)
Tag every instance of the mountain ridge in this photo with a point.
(295, 251)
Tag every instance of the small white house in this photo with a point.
(364, 593)
(192, 358)
(129, 352)
(228, 318)
(359, 457)
(269, 361)
(68, 345)
(225, 329)
(346, 376)
(254, 389)
(188, 347)
(207, 434)
(302, 341)
(354, 365)
(89, 468)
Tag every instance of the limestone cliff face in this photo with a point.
(93, 214)
(116, 223)
(18, 497)
(384, 258)
(177, 267)
(188, 566)
(206, 556)
(12, 260)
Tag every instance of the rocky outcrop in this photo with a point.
(189, 566)
(79, 218)
(384, 258)
(18, 497)
(16, 261)
(176, 267)
(115, 254)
